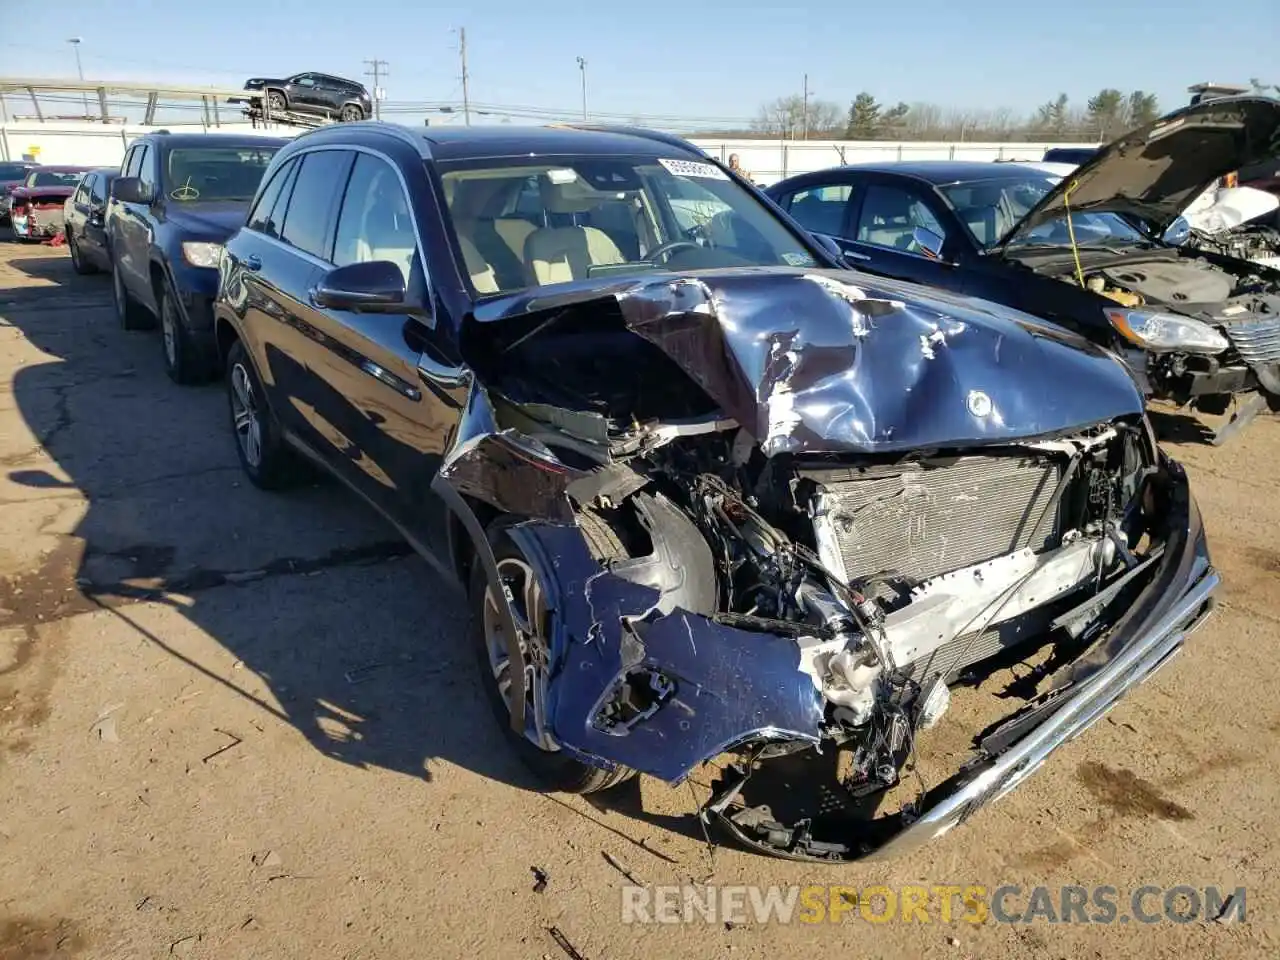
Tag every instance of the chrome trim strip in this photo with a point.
(1080, 709)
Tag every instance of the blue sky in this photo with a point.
(665, 57)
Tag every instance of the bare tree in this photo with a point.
(789, 117)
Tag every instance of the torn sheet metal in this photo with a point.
(727, 685)
(823, 361)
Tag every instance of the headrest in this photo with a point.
(572, 197)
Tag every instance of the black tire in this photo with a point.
(277, 102)
(276, 467)
(555, 770)
(78, 262)
(129, 315)
(184, 360)
(351, 113)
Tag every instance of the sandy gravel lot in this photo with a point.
(242, 725)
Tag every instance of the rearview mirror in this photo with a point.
(372, 285)
(930, 243)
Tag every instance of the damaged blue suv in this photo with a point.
(711, 495)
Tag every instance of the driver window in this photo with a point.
(375, 222)
(890, 214)
(147, 167)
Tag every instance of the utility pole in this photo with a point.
(75, 45)
(582, 69)
(805, 109)
(377, 70)
(466, 89)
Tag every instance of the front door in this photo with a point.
(882, 238)
(369, 388)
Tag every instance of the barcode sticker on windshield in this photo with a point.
(691, 168)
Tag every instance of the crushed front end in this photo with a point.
(735, 580)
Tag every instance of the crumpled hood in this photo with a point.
(215, 220)
(823, 361)
(1219, 209)
(1154, 172)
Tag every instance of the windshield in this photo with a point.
(990, 208)
(521, 223)
(54, 178)
(13, 171)
(216, 173)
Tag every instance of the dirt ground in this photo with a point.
(234, 724)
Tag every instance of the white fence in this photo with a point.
(79, 143)
(770, 160)
(99, 144)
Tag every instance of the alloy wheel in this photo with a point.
(245, 416)
(74, 249)
(522, 593)
(351, 113)
(276, 102)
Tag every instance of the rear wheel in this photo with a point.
(352, 112)
(523, 593)
(264, 456)
(129, 315)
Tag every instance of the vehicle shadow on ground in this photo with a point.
(361, 647)
(1172, 427)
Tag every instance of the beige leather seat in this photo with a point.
(514, 232)
(481, 272)
(560, 254)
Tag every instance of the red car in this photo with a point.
(35, 207)
(12, 174)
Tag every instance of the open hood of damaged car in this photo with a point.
(820, 361)
(1153, 173)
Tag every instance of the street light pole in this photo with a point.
(582, 69)
(75, 45)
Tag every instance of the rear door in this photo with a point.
(93, 234)
(291, 254)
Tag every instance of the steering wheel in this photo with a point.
(670, 247)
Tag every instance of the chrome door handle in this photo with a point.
(852, 255)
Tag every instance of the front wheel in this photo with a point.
(522, 592)
(276, 102)
(78, 262)
(184, 361)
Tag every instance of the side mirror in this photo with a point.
(829, 245)
(131, 190)
(1178, 232)
(930, 243)
(373, 285)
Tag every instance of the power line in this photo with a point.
(377, 69)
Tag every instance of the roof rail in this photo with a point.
(670, 139)
(397, 130)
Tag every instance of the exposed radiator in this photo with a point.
(922, 520)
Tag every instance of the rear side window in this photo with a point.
(313, 203)
(260, 217)
(99, 189)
